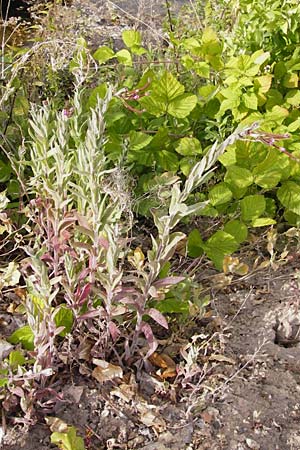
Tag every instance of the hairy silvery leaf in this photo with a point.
(170, 247)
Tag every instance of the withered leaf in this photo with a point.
(106, 371)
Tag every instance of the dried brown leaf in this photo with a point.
(56, 425)
(106, 371)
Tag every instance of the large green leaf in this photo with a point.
(167, 96)
(220, 194)
(219, 245)
(24, 336)
(195, 244)
(237, 229)
(188, 146)
(168, 88)
(172, 305)
(16, 358)
(139, 140)
(64, 318)
(103, 54)
(238, 177)
(181, 106)
(252, 207)
(268, 173)
(289, 196)
(293, 97)
(250, 100)
(131, 38)
(124, 57)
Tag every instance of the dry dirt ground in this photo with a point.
(244, 355)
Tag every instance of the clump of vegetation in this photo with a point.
(108, 139)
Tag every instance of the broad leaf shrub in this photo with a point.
(166, 128)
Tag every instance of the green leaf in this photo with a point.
(250, 100)
(220, 194)
(252, 207)
(16, 358)
(280, 69)
(186, 164)
(274, 97)
(167, 160)
(139, 140)
(237, 229)
(293, 97)
(68, 440)
(164, 271)
(103, 54)
(124, 57)
(195, 244)
(229, 157)
(292, 218)
(294, 126)
(13, 189)
(138, 50)
(268, 173)
(5, 171)
(263, 83)
(172, 305)
(289, 196)
(21, 106)
(210, 42)
(182, 106)
(64, 318)
(290, 80)
(24, 336)
(219, 245)
(238, 177)
(277, 114)
(98, 92)
(3, 380)
(131, 38)
(193, 45)
(188, 146)
(202, 69)
(263, 222)
(167, 96)
(168, 88)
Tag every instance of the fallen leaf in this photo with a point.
(5, 349)
(232, 264)
(56, 425)
(21, 293)
(125, 392)
(84, 349)
(165, 362)
(106, 371)
(150, 418)
(75, 392)
(221, 280)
